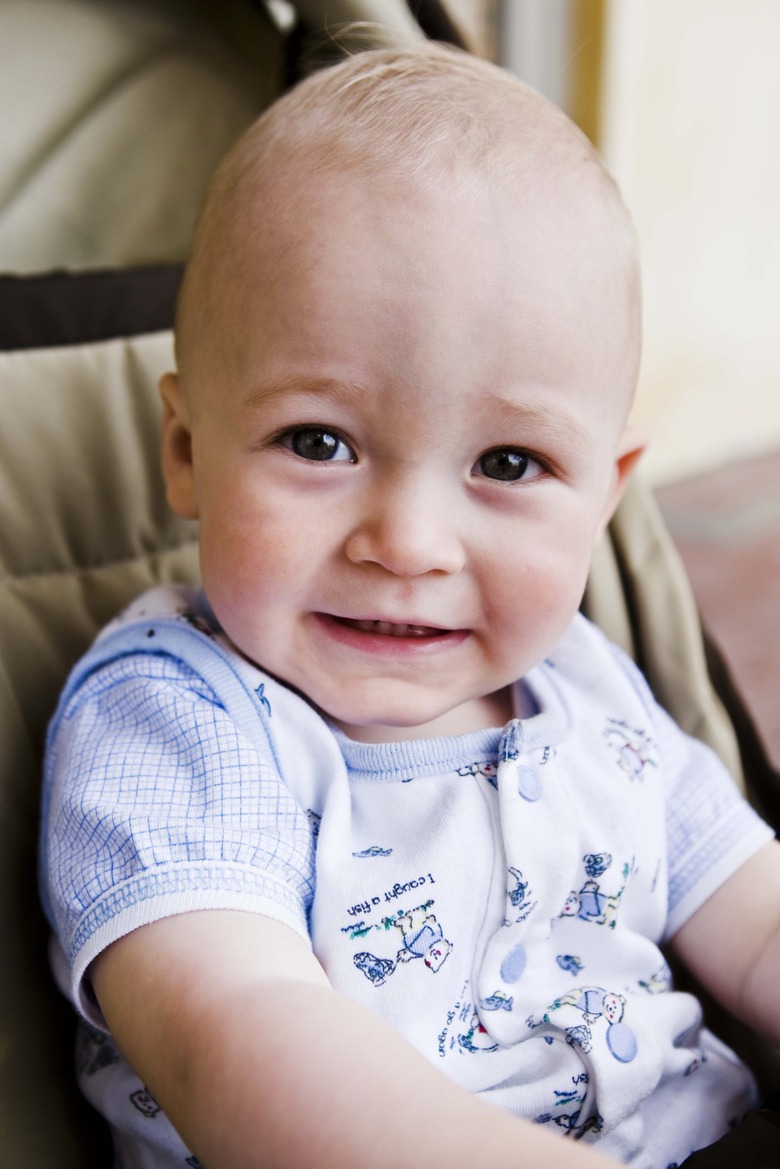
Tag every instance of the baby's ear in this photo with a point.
(631, 447)
(176, 451)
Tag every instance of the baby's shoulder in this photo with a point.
(600, 687)
(166, 633)
(593, 665)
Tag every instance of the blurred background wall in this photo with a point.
(690, 103)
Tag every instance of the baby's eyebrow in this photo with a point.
(547, 419)
(333, 389)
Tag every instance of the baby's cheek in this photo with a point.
(249, 552)
(534, 598)
(540, 580)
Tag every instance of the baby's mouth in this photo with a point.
(389, 629)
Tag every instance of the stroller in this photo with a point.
(160, 92)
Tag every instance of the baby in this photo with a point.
(362, 856)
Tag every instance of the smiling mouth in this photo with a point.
(389, 629)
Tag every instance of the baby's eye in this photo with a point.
(317, 444)
(507, 464)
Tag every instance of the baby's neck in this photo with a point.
(478, 714)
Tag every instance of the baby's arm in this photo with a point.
(732, 943)
(231, 1022)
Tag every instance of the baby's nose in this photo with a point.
(409, 531)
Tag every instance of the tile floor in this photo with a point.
(726, 525)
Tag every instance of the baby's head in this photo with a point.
(407, 345)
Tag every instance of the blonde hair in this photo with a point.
(411, 108)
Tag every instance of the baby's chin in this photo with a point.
(487, 712)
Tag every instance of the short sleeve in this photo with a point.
(711, 829)
(157, 804)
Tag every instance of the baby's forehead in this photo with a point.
(274, 229)
(303, 203)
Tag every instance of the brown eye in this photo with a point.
(318, 445)
(503, 463)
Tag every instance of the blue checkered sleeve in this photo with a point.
(158, 803)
